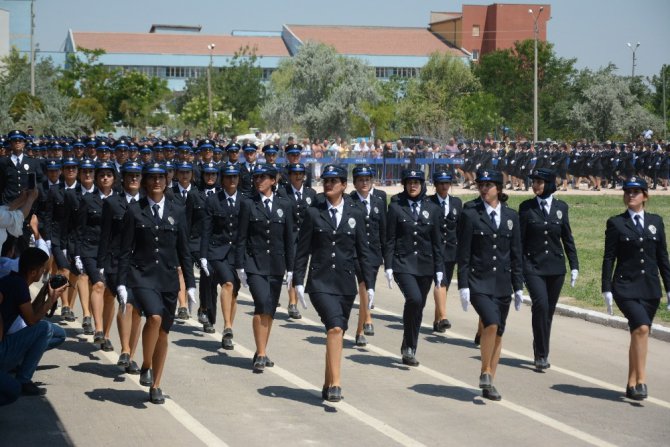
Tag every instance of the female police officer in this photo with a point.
(546, 238)
(154, 243)
(635, 241)
(333, 234)
(264, 251)
(413, 255)
(489, 267)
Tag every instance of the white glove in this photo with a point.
(574, 274)
(300, 291)
(191, 294)
(518, 299)
(289, 280)
(243, 277)
(607, 296)
(203, 266)
(371, 298)
(438, 278)
(49, 245)
(79, 264)
(668, 296)
(389, 277)
(64, 252)
(123, 297)
(465, 298)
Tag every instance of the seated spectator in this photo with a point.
(24, 348)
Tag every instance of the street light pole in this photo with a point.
(633, 49)
(665, 116)
(209, 85)
(32, 48)
(536, 32)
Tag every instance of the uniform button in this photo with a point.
(415, 252)
(156, 239)
(332, 255)
(332, 266)
(414, 242)
(333, 243)
(156, 250)
(495, 246)
(267, 221)
(156, 261)
(546, 242)
(494, 269)
(156, 227)
(642, 250)
(367, 224)
(334, 232)
(230, 242)
(416, 223)
(415, 233)
(368, 234)
(267, 251)
(495, 236)
(546, 232)
(642, 272)
(268, 241)
(267, 231)
(495, 258)
(545, 223)
(546, 252)
(641, 261)
(641, 239)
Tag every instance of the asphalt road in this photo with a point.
(215, 399)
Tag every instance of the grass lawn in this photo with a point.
(588, 216)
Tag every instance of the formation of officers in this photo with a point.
(131, 230)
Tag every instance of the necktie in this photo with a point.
(638, 225)
(209, 193)
(333, 216)
(493, 219)
(157, 217)
(132, 200)
(367, 206)
(298, 196)
(543, 205)
(444, 208)
(268, 210)
(231, 202)
(184, 193)
(415, 211)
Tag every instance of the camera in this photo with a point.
(32, 180)
(57, 281)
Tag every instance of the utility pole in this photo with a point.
(633, 49)
(32, 47)
(536, 32)
(665, 116)
(209, 85)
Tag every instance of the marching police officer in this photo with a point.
(301, 197)
(489, 268)
(333, 235)
(546, 239)
(217, 248)
(153, 244)
(450, 210)
(264, 252)
(247, 168)
(113, 211)
(635, 256)
(15, 168)
(374, 210)
(413, 256)
(293, 153)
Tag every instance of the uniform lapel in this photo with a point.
(325, 215)
(629, 222)
(486, 218)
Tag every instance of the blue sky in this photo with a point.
(593, 31)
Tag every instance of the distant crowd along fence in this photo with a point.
(387, 170)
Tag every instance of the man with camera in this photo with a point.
(23, 349)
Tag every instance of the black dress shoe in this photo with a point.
(133, 368)
(293, 312)
(324, 393)
(334, 394)
(227, 344)
(146, 377)
(444, 324)
(30, 389)
(70, 316)
(202, 317)
(540, 364)
(641, 389)
(477, 339)
(408, 357)
(99, 338)
(156, 396)
(632, 393)
(491, 393)
(361, 340)
(208, 328)
(368, 329)
(437, 328)
(124, 360)
(259, 363)
(107, 345)
(485, 381)
(87, 326)
(182, 314)
(269, 363)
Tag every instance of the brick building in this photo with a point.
(480, 29)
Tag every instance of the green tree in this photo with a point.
(318, 92)
(479, 114)
(656, 100)
(134, 96)
(92, 108)
(196, 114)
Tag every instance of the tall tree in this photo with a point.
(319, 91)
(134, 96)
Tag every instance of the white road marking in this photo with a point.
(532, 414)
(352, 411)
(176, 411)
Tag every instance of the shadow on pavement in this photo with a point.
(228, 360)
(32, 421)
(376, 360)
(451, 341)
(596, 393)
(316, 340)
(208, 345)
(303, 327)
(104, 370)
(128, 398)
(297, 395)
(517, 363)
(450, 392)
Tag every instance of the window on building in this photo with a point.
(475, 30)
(475, 55)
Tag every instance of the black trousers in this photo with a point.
(544, 292)
(415, 290)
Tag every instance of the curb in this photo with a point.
(657, 331)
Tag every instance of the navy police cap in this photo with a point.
(635, 182)
(265, 169)
(154, 168)
(233, 147)
(334, 171)
(184, 166)
(131, 166)
(17, 135)
(205, 144)
(249, 147)
(413, 174)
(294, 149)
(296, 167)
(270, 149)
(230, 169)
(361, 171)
(53, 165)
(442, 176)
(489, 175)
(70, 161)
(543, 174)
(210, 167)
(87, 163)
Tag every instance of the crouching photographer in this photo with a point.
(22, 350)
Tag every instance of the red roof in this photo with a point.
(145, 43)
(378, 41)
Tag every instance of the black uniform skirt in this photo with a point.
(334, 310)
(265, 290)
(154, 302)
(223, 272)
(638, 311)
(92, 270)
(492, 310)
